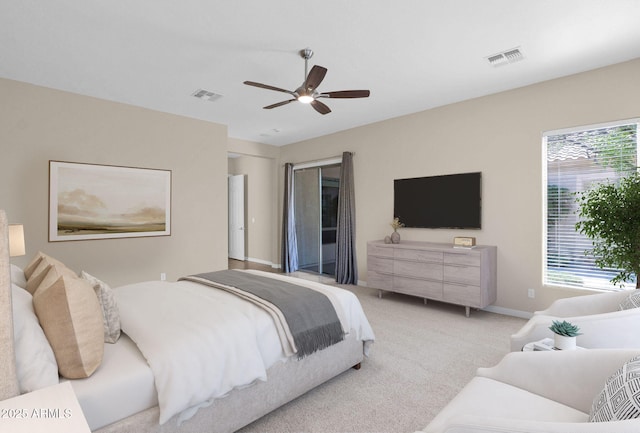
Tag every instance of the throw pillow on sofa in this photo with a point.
(631, 301)
(620, 398)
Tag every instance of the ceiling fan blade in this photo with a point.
(278, 104)
(315, 77)
(345, 94)
(320, 107)
(266, 86)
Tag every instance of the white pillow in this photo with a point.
(17, 277)
(35, 362)
(110, 313)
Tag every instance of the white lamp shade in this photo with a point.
(16, 240)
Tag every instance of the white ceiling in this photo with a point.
(412, 54)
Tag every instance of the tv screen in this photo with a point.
(448, 201)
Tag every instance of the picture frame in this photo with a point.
(95, 201)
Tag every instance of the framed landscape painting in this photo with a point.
(91, 201)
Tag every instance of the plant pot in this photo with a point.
(564, 343)
(395, 238)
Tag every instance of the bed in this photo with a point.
(127, 391)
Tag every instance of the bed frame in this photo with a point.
(241, 407)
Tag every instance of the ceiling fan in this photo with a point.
(307, 93)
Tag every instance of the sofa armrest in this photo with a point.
(476, 424)
(602, 331)
(572, 377)
(585, 305)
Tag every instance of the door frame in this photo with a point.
(236, 221)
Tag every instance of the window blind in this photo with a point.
(575, 160)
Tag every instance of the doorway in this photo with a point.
(316, 214)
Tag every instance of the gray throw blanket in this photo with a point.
(310, 316)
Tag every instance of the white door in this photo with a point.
(236, 217)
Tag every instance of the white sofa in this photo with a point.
(536, 392)
(601, 323)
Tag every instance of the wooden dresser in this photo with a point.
(438, 271)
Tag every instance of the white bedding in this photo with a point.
(196, 360)
(121, 387)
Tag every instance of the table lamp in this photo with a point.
(16, 240)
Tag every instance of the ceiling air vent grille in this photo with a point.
(206, 95)
(506, 57)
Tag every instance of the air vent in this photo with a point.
(206, 95)
(506, 57)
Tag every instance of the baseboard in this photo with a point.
(262, 262)
(508, 312)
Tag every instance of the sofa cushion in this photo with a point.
(484, 397)
(631, 301)
(620, 397)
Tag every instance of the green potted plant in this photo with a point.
(610, 218)
(564, 334)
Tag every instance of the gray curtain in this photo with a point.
(289, 240)
(346, 261)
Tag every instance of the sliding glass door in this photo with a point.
(316, 213)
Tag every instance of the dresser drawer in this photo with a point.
(462, 274)
(431, 271)
(423, 288)
(418, 255)
(379, 250)
(380, 265)
(462, 294)
(462, 259)
(379, 281)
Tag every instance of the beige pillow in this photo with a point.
(71, 318)
(41, 270)
(35, 261)
(37, 276)
(53, 272)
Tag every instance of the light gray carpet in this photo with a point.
(422, 357)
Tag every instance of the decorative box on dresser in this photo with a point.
(437, 271)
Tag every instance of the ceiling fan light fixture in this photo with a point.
(305, 99)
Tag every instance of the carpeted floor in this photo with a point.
(422, 357)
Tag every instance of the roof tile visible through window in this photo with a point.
(562, 152)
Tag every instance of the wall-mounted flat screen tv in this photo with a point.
(447, 201)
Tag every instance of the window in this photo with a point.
(575, 159)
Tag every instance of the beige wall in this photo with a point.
(499, 135)
(39, 124)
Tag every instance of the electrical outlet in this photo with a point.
(532, 293)
(163, 276)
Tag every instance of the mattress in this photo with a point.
(121, 387)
